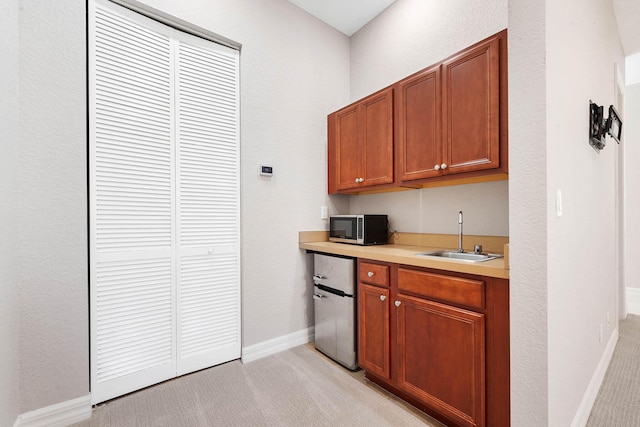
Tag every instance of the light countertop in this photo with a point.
(405, 254)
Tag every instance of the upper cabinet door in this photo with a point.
(471, 109)
(418, 125)
(377, 138)
(361, 143)
(348, 146)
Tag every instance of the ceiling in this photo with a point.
(628, 16)
(348, 16)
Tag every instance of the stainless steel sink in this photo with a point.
(460, 256)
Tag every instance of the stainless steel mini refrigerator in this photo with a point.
(334, 297)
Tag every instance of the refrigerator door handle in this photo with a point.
(318, 297)
(317, 278)
(333, 291)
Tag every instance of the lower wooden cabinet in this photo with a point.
(438, 340)
(441, 358)
(373, 308)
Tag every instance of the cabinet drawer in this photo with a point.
(375, 274)
(456, 290)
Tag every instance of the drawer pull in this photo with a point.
(370, 274)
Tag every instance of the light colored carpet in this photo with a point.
(298, 387)
(618, 400)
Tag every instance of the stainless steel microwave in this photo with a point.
(359, 229)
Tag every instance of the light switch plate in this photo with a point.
(324, 212)
(558, 203)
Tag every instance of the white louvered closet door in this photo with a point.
(164, 202)
(208, 208)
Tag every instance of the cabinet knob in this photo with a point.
(437, 167)
(398, 303)
(360, 179)
(383, 297)
(370, 274)
(443, 166)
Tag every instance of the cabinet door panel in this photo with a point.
(441, 358)
(377, 116)
(471, 109)
(373, 330)
(347, 124)
(418, 125)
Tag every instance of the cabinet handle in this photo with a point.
(370, 274)
(398, 303)
(360, 180)
(443, 166)
(383, 297)
(357, 179)
(437, 167)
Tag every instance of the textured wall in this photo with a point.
(528, 213)
(406, 37)
(435, 210)
(631, 137)
(581, 289)
(9, 296)
(413, 34)
(631, 142)
(632, 69)
(52, 204)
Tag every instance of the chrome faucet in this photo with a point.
(460, 232)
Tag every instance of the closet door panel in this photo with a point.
(164, 202)
(208, 208)
(131, 204)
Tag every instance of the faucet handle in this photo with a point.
(477, 249)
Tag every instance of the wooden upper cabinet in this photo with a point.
(448, 121)
(471, 109)
(448, 116)
(361, 143)
(418, 125)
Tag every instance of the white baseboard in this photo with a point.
(633, 300)
(589, 398)
(58, 415)
(276, 345)
(76, 410)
